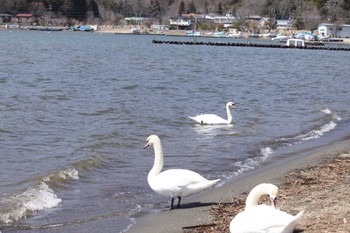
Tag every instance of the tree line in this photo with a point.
(304, 12)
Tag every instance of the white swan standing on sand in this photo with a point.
(173, 182)
(263, 218)
(212, 119)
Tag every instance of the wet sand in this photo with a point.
(316, 181)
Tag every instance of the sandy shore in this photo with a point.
(316, 181)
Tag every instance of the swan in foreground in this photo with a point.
(212, 119)
(263, 218)
(173, 182)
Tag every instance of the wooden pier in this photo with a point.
(249, 44)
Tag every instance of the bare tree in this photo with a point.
(138, 7)
(310, 16)
(335, 10)
(284, 8)
(251, 7)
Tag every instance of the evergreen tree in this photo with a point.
(206, 7)
(79, 9)
(67, 8)
(154, 8)
(182, 8)
(192, 7)
(220, 10)
(92, 6)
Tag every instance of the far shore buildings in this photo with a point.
(187, 21)
(24, 18)
(332, 30)
(5, 18)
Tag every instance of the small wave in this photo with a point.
(317, 132)
(326, 111)
(5, 131)
(313, 134)
(266, 152)
(61, 177)
(98, 112)
(329, 112)
(252, 163)
(36, 197)
(132, 213)
(93, 162)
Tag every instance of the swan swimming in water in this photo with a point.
(263, 218)
(173, 182)
(212, 119)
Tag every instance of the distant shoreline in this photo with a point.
(128, 31)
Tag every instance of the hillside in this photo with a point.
(307, 13)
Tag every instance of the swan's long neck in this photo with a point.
(229, 115)
(158, 159)
(254, 196)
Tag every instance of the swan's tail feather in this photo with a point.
(214, 182)
(298, 216)
(292, 224)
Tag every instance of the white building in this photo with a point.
(326, 30)
(227, 20)
(285, 24)
(344, 31)
(332, 30)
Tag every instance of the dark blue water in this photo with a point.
(76, 109)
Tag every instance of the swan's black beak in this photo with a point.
(147, 145)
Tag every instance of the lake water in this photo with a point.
(76, 109)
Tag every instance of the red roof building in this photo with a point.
(24, 15)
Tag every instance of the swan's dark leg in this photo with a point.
(172, 203)
(178, 202)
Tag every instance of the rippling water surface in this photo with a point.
(76, 109)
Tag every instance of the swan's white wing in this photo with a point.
(179, 182)
(209, 119)
(264, 219)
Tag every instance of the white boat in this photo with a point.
(219, 34)
(193, 33)
(296, 43)
(135, 31)
(280, 38)
(234, 33)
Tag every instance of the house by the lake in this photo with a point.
(332, 30)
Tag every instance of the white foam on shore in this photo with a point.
(37, 197)
(252, 163)
(267, 151)
(132, 212)
(313, 134)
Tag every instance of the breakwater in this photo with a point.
(249, 44)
